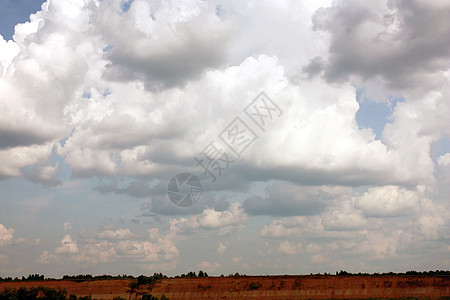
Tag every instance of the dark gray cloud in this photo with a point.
(167, 52)
(404, 42)
(286, 199)
(161, 205)
(47, 175)
(315, 67)
(165, 70)
(137, 189)
(13, 137)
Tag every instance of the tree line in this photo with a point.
(142, 279)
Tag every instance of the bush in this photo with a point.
(33, 293)
(254, 286)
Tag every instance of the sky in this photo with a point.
(259, 137)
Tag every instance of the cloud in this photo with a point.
(45, 174)
(284, 227)
(133, 95)
(287, 248)
(224, 222)
(118, 234)
(47, 258)
(68, 246)
(120, 128)
(286, 199)
(9, 50)
(222, 248)
(163, 45)
(236, 260)
(96, 253)
(6, 235)
(444, 160)
(403, 43)
(208, 267)
(387, 201)
(67, 226)
(344, 218)
(156, 250)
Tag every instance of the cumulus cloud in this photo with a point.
(388, 201)
(68, 246)
(286, 199)
(344, 217)
(47, 258)
(223, 222)
(6, 235)
(67, 226)
(118, 234)
(283, 228)
(401, 42)
(208, 267)
(444, 160)
(222, 248)
(111, 245)
(163, 44)
(132, 95)
(95, 253)
(288, 248)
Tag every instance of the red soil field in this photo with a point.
(264, 287)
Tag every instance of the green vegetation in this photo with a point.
(254, 286)
(202, 287)
(84, 277)
(193, 275)
(408, 273)
(150, 279)
(23, 293)
(236, 275)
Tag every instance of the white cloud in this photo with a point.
(236, 260)
(47, 258)
(68, 246)
(372, 39)
(288, 248)
(344, 218)
(224, 222)
(433, 221)
(118, 234)
(444, 160)
(154, 49)
(222, 248)
(67, 226)
(387, 201)
(6, 235)
(320, 259)
(283, 228)
(112, 245)
(133, 95)
(381, 244)
(95, 253)
(8, 50)
(313, 248)
(208, 267)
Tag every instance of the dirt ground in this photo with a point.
(263, 287)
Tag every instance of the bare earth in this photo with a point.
(264, 287)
